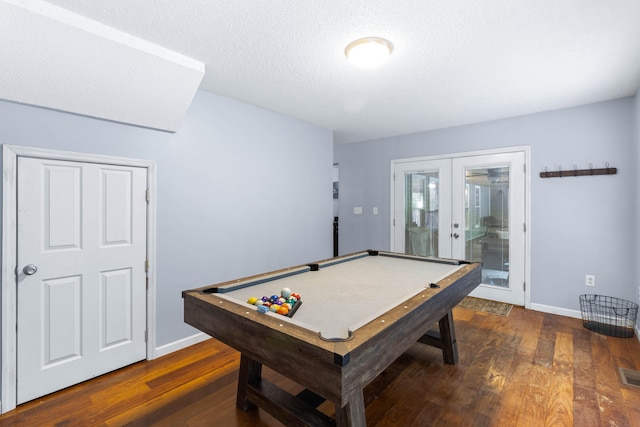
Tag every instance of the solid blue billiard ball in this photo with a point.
(274, 298)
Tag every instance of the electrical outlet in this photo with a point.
(590, 280)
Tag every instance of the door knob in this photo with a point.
(29, 269)
(456, 235)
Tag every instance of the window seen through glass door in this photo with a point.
(487, 222)
(422, 194)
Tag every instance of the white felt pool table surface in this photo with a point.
(343, 297)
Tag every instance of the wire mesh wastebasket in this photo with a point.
(608, 315)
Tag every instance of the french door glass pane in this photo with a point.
(487, 222)
(421, 202)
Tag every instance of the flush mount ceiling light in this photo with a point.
(369, 52)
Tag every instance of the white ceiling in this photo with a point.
(57, 59)
(454, 62)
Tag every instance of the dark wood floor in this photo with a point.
(528, 369)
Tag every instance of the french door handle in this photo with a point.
(455, 235)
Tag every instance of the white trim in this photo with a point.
(527, 212)
(577, 314)
(557, 310)
(151, 257)
(9, 314)
(524, 148)
(181, 344)
(10, 154)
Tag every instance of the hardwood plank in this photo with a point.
(607, 382)
(585, 397)
(511, 399)
(535, 396)
(560, 404)
(546, 341)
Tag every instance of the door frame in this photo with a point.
(527, 200)
(10, 154)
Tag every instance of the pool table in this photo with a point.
(356, 315)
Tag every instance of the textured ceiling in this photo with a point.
(454, 62)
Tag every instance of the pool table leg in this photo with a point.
(250, 371)
(448, 339)
(352, 414)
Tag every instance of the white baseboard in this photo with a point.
(557, 310)
(568, 313)
(180, 344)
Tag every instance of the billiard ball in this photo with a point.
(252, 300)
(285, 292)
(274, 308)
(283, 310)
(258, 302)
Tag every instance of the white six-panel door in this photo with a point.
(82, 313)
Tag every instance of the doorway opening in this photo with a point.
(470, 206)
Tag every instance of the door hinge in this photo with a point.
(146, 265)
(147, 195)
(394, 222)
(524, 286)
(146, 335)
(524, 227)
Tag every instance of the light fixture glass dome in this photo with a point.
(368, 52)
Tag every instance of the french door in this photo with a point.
(470, 207)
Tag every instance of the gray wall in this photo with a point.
(241, 190)
(579, 226)
(636, 213)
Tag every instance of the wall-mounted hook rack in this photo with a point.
(579, 172)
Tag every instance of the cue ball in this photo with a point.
(285, 292)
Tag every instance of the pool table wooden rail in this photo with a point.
(336, 371)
